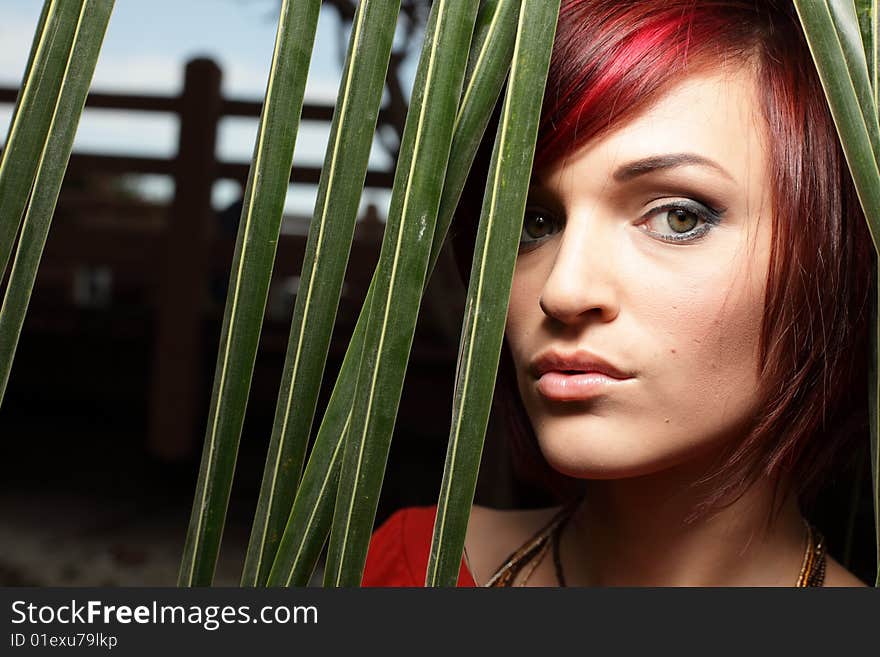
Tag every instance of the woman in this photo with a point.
(688, 314)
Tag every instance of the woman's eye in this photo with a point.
(681, 221)
(537, 224)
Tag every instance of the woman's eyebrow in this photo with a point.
(647, 165)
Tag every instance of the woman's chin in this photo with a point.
(602, 459)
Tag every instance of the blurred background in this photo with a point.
(104, 418)
(103, 422)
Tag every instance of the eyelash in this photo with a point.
(708, 215)
(527, 245)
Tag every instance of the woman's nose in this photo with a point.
(582, 281)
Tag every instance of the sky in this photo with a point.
(146, 47)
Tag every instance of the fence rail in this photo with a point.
(177, 258)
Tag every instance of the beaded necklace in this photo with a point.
(529, 556)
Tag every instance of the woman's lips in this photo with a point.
(575, 386)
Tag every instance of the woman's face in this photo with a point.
(649, 249)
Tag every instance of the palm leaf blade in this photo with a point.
(833, 34)
(249, 282)
(32, 54)
(312, 512)
(401, 274)
(32, 116)
(492, 48)
(327, 251)
(866, 10)
(88, 37)
(490, 281)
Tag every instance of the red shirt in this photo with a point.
(399, 550)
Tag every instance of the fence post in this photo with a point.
(184, 275)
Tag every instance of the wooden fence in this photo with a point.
(175, 259)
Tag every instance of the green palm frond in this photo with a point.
(847, 67)
(53, 148)
(866, 10)
(490, 280)
(403, 264)
(249, 284)
(312, 513)
(32, 116)
(327, 251)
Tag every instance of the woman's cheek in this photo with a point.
(707, 361)
(523, 315)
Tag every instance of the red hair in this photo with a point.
(613, 59)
